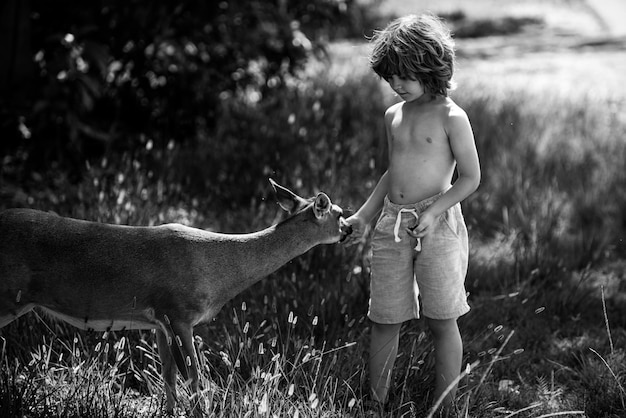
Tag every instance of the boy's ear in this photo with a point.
(322, 205)
(286, 199)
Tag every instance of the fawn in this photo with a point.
(169, 278)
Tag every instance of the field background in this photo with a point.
(547, 280)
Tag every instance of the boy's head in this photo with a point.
(416, 48)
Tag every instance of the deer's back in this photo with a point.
(91, 269)
(46, 240)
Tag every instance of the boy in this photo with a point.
(420, 239)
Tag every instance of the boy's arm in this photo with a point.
(374, 202)
(361, 219)
(464, 150)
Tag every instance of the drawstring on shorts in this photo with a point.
(396, 229)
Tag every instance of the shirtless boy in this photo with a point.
(420, 239)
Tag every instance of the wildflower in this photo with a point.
(263, 406)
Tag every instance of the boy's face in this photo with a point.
(409, 90)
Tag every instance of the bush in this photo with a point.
(108, 78)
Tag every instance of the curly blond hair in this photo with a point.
(416, 48)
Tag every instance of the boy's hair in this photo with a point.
(416, 48)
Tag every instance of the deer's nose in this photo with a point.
(346, 229)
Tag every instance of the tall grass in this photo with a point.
(547, 226)
(553, 173)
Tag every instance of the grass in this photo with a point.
(546, 332)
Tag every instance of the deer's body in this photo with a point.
(69, 267)
(170, 277)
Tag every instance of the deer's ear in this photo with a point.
(322, 205)
(286, 199)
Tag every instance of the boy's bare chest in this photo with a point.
(421, 134)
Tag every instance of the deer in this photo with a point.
(168, 278)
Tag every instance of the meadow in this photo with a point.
(547, 281)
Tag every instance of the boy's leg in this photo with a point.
(448, 356)
(383, 352)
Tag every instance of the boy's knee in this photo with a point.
(439, 327)
(385, 331)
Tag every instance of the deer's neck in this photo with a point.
(273, 247)
(261, 253)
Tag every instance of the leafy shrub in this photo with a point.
(110, 77)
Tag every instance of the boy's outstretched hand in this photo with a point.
(358, 228)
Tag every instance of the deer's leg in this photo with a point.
(185, 355)
(168, 368)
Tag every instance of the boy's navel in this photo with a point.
(429, 140)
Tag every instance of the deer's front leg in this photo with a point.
(184, 353)
(168, 368)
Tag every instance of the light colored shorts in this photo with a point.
(434, 273)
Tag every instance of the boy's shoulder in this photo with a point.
(444, 107)
(448, 109)
(393, 108)
(454, 111)
(446, 103)
(451, 104)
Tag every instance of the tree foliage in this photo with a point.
(140, 77)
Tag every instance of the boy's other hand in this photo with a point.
(424, 224)
(358, 227)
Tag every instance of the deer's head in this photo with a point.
(319, 209)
